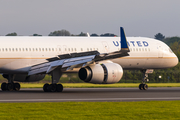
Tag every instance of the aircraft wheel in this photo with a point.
(59, 87)
(141, 86)
(45, 87)
(10, 86)
(17, 86)
(52, 88)
(4, 86)
(145, 86)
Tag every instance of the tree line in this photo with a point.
(67, 33)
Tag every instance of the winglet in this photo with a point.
(124, 45)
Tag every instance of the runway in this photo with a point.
(91, 95)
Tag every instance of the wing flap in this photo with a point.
(76, 61)
(65, 63)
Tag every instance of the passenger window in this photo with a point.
(68, 49)
(149, 49)
(65, 49)
(145, 49)
(75, 49)
(39, 49)
(33, 49)
(26, 49)
(29, 49)
(6, 49)
(13, 49)
(3, 49)
(81, 49)
(133, 49)
(42, 49)
(36, 49)
(16, 49)
(9, 49)
(46, 49)
(23, 49)
(71, 49)
(52, 49)
(87, 49)
(142, 49)
(19, 49)
(49, 49)
(139, 49)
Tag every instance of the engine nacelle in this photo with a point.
(105, 73)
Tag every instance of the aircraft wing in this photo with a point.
(77, 60)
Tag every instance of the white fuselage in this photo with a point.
(18, 54)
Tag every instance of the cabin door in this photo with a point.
(160, 51)
(105, 47)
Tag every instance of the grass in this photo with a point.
(88, 85)
(91, 110)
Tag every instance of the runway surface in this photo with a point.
(90, 94)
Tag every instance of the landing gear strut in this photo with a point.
(54, 87)
(144, 86)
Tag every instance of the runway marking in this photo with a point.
(91, 99)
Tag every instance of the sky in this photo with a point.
(143, 18)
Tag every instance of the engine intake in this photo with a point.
(105, 73)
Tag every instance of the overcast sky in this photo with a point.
(138, 17)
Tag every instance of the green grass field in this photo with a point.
(164, 110)
(88, 85)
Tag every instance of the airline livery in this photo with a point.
(98, 60)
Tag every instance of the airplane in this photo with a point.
(98, 60)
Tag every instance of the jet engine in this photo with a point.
(105, 73)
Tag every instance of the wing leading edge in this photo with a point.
(78, 60)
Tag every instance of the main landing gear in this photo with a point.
(144, 86)
(10, 86)
(54, 87)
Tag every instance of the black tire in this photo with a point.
(17, 86)
(10, 86)
(145, 86)
(45, 87)
(59, 87)
(52, 88)
(4, 86)
(141, 86)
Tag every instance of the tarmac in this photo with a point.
(91, 95)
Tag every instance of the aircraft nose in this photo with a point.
(176, 60)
